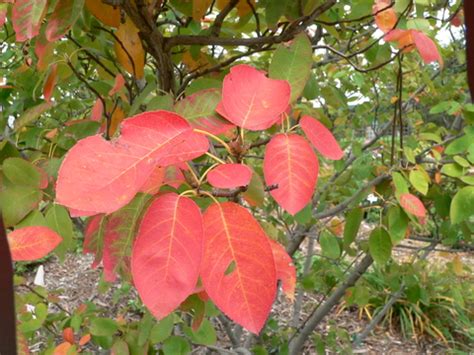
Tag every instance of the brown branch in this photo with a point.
(216, 27)
(288, 34)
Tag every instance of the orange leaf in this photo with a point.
(97, 110)
(238, 271)
(129, 49)
(106, 14)
(385, 19)
(62, 349)
(50, 83)
(68, 335)
(32, 243)
(199, 9)
(413, 205)
(118, 84)
(84, 339)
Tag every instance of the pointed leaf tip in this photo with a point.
(321, 138)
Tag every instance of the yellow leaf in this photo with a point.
(199, 9)
(131, 43)
(457, 265)
(243, 8)
(106, 14)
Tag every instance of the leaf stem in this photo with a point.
(215, 158)
(203, 176)
(216, 138)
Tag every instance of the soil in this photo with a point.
(78, 282)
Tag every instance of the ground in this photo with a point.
(78, 283)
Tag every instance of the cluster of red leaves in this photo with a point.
(177, 247)
(407, 40)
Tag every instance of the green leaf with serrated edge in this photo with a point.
(418, 181)
(58, 220)
(397, 224)
(380, 245)
(353, 220)
(293, 62)
(462, 205)
(162, 330)
(329, 245)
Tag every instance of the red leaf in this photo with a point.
(26, 18)
(413, 205)
(285, 269)
(321, 138)
(102, 176)
(174, 176)
(120, 231)
(426, 47)
(68, 335)
(94, 238)
(154, 182)
(167, 253)
(50, 83)
(238, 271)
(97, 110)
(32, 243)
(64, 15)
(199, 110)
(291, 163)
(251, 100)
(386, 20)
(118, 84)
(227, 176)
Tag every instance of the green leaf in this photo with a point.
(120, 348)
(293, 63)
(255, 193)
(58, 220)
(459, 145)
(401, 185)
(418, 180)
(144, 329)
(273, 11)
(21, 172)
(17, 201)
(176, 346)
(31, 115)
(162, 330)
(329, 245)
(462, 205)
(353, 220)
(380, 245)
(453, 170)
(205, 335)
(397, 224)
(103, 327)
